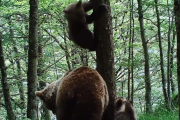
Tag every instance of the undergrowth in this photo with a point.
(162, 114)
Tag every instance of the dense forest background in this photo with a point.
(145, 46)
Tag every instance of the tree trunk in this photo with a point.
(146, 57)
(129, 66)
(45, 113)
(164, 81)
(171, 63)
(84, 57)
(169, 71)
(105, 55)
(132, 52)
(0, 101)
(5, 85)
(19, 81)
(66, 50)
(32, 109)
(177, 19)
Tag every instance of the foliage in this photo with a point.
(58, 49)
(162, 114)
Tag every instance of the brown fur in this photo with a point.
(48, 94)
(78, 21)
(82, 95)
(124, 110)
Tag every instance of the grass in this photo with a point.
(160, 115)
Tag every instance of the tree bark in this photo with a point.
(19, 81)
(0, 101)
(132, 52)
(164, 81)
(45, 113)
(84, 57)
(105, 55)
(66, 50)
(146, 57)
(5, 85)
(177, 20)
(32, 109)
(171, 63)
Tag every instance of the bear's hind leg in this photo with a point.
(64, 107)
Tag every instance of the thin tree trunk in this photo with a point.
(19, 81)
(177, 19)
(132, 53)
(0, 101)
(164, 81)
(169, 71)
(146, 57)
(45, 113)
(54, 58)
(32, 107)
(129, 66)
(105, 55)
(66, 49)
(84, 57)
(129, 57)
(171, 63)
(74, 59)
(168, 55)
(5, 85)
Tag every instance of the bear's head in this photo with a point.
(48, 95)
(75, 12)
(124, 110)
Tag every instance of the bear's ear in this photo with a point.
(79, 4)
(119, 103)
(131, 102)
(39, 94)
(66, 11)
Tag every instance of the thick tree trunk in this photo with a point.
(105, 55)
(32, 109)
(146, 57)
(177, 19)
(5, 85)
(164, 81)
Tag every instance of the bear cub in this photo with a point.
(124, 110)
(78, 21)
(80, 95)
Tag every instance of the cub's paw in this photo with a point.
(102, 9)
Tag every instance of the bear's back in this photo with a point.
(83, 91)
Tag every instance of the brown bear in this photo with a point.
(80, 95)
(124, 110)
(78, 21)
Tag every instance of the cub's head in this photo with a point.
(48, 95)
(75, 12)
(124, 110)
